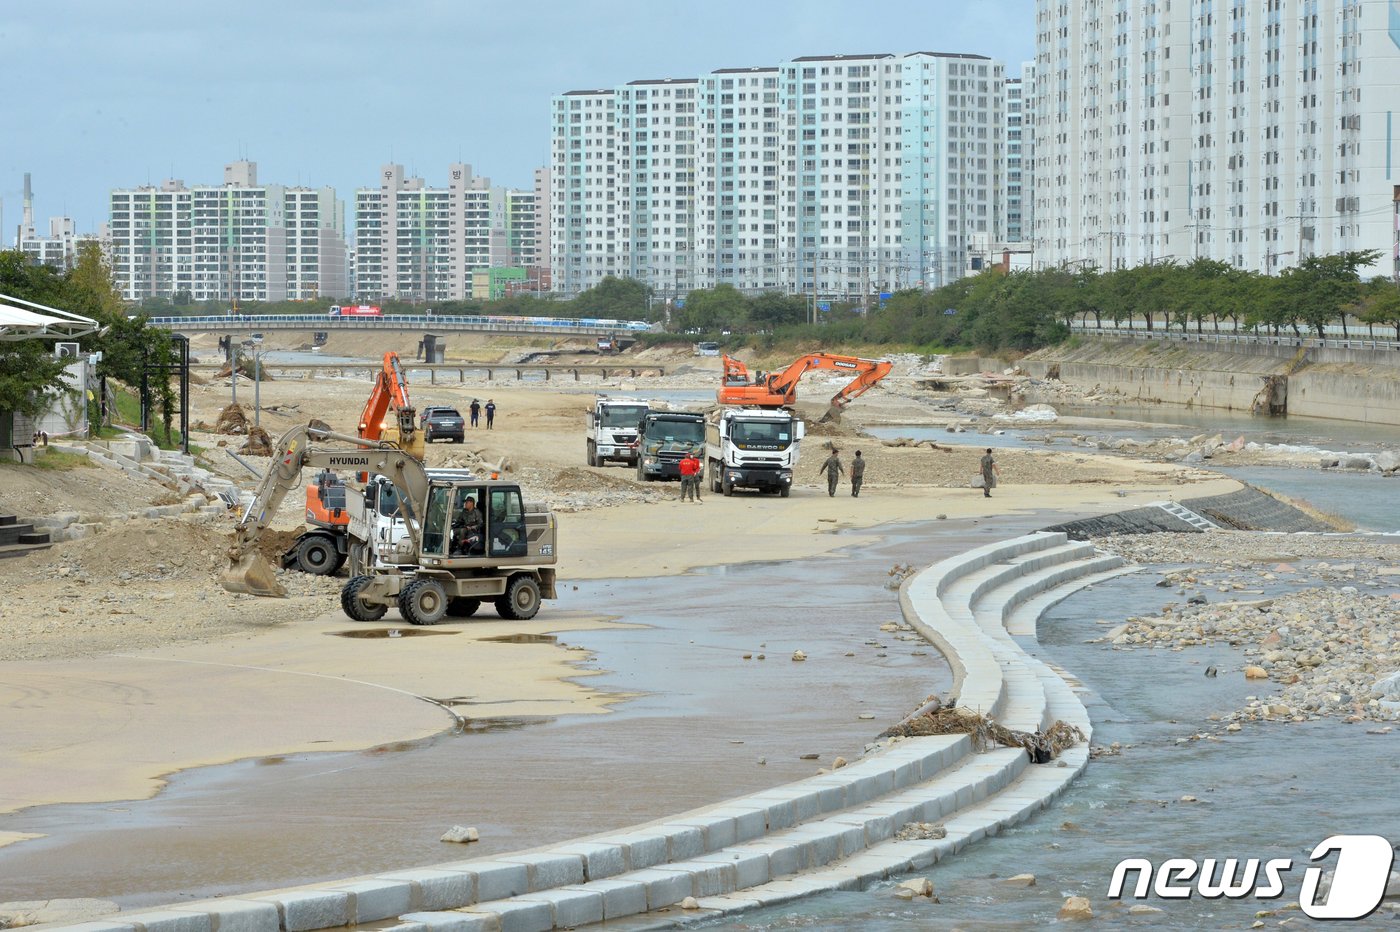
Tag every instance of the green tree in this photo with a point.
(723, 307)
(615, 298)
(1378, 304)
(28, 370)
(774, 309)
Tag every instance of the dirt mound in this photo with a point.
(259, 443)
(245, 369)
(272, 544)
(578, 479)
(134, 550)
(232, 420)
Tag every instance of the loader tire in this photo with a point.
(318, 556)
(462, 607)
(522, 599)
(423, 602)
(354, 606)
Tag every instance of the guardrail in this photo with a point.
(433, 322)
(1265, 339)
(462, 370)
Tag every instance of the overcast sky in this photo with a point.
(101, 94)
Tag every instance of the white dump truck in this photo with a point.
(753, 448)
(612, 430)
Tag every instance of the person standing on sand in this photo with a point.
(857, 475)
(690, 477)
(490, 413)
(475, 411)
(834, 471)
(989, 473)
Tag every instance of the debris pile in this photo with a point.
(258, 443)
(232, 420)
(951, 719)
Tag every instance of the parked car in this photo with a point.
(442, 423)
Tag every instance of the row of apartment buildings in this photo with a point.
(249, 241)
(1254, 132)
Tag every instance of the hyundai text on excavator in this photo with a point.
(779, 389)
(388, 416)
(469, 539)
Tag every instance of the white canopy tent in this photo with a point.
(18, 323)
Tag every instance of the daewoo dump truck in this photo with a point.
(612, 430)
(665, 439)
(753, 448)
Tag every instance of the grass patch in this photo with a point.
(56, 460)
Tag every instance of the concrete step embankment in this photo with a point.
(836, 830)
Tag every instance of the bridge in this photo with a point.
(369, 369)
(444, 323)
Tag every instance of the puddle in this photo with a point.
(478, 726)
(388, 633)
(522, 639)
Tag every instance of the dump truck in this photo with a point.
(612, 430)
(469, 540)
(752, 448)
(665, 438)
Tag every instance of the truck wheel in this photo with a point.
(727, 488)
(462, 607)
(785, 491)
(356, 607)
(522, 599)
(592, 454)
(423, 602)
(641, 473)
(317, 555)
(714, 477)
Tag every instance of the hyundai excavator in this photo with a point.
(469, 540)
(779, 389)
(388, 416)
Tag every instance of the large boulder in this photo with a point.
(1387, 461)
(1386, 687)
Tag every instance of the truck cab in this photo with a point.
(612, 430)
(665, 438)
(753, 448)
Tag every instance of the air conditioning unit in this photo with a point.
(65, 351)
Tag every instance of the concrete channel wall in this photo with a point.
(833, 831)
(1345, 384)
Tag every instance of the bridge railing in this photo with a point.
(584, 326)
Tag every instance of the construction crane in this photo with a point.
(779, 389)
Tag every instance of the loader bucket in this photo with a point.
(250, 573)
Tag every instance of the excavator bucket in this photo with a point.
(249, 573)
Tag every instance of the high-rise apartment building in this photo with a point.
(240, 241)
(1020, 155)
(1254, 132)
(839, 175)
(418, 243)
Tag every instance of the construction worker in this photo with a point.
(690, 477)
(857, 475)
(834, 471)
(989, 473)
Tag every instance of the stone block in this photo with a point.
(717, 830)
(549, 870)
(495, 880)
(707, 877)
(682, 842)
(750, 867)
(599, 861)
(620, 897)
(171, 920)
(437, 889)
(303, 910)
(520, 915)
(664, 888)
(643, 849)
(234, 915)
(373, 900)
(454, 921)
(571, 908)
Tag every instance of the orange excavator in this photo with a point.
(779, 389)
(388, 415)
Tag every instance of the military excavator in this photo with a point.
(388, 416)
(469, 540)
(779, 389)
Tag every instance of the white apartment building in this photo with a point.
(1253, 132)
(839, 175)
(1020, 155)
(239, 241)
(58, 248)
(418, 243)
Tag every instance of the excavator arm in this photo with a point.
(389, 397)
(247, 571)
(779, 389)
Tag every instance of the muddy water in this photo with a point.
(706, 724)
